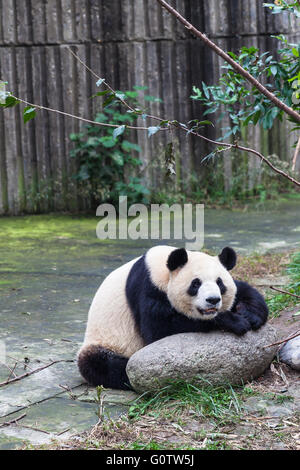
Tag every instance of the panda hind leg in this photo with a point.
(100, 366)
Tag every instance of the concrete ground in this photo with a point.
(50, 268)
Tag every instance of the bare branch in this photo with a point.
(178, 125)
(284, 340)
(108, 85)
(239, 69)
(13, 421)
(249, 150)
(35, 371)
(94, 123)
(285, 292)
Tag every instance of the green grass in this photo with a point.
(279, 302)
(220, 403)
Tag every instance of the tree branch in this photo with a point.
(237, 67)
(35, 371)
(285, 292)
(284, 340)
(183, 128)
(95, 123)
(249, 150)
(13, 421)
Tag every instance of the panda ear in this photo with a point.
(228, 258)
(177, 259)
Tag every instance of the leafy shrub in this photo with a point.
(107, 161)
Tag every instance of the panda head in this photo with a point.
(200, 285)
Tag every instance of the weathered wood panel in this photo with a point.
(129, 42)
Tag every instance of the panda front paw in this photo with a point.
(255, 321)
(233, 323)
(241, 326)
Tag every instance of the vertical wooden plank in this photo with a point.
(83, 15)
(83, 93)
(24, 22)
(41, 165)
(98, 66)
(25, 131)
(155, 88)
(38, 18)
(70, 73)
(9, 22)
(1, 23)
(140, 79)
(154, 19)
(183, 103)
(4, 206)
(112, 20)
(53, 22)
(96, 21)
(166, 22)
(69, 20)
(11, 133)
(139, 20)
(55, 125)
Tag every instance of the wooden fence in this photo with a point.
(129, 42)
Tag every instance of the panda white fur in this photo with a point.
(165, 292)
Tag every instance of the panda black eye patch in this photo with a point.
(221, 285)
(194, 287)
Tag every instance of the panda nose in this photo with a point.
(213, 300)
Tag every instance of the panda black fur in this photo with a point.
(165, 292)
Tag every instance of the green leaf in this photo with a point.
(119, 131)
(131, 94)
(118, 159)
(152, 99)
(101, 93)
(206, 90)
(107, 141)
(29, 113)
(137, 87)
(204, 123)
(8, 100)
(127, 146)
(109, 100)
(153, 130)
(273, 69)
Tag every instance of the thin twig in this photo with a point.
(294, 335)
(239, 69)
(127, 105)
(249, 150)
(170, 124)
(178, 125)
(99, 78)
(284, 292)
(20, 377)
(89, 121)
(13, 421)
(10, 370)
(63, 432)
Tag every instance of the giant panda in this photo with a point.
(167, 291)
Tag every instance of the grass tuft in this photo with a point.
(221, 403)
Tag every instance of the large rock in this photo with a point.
(218, 357)
(290, 353)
